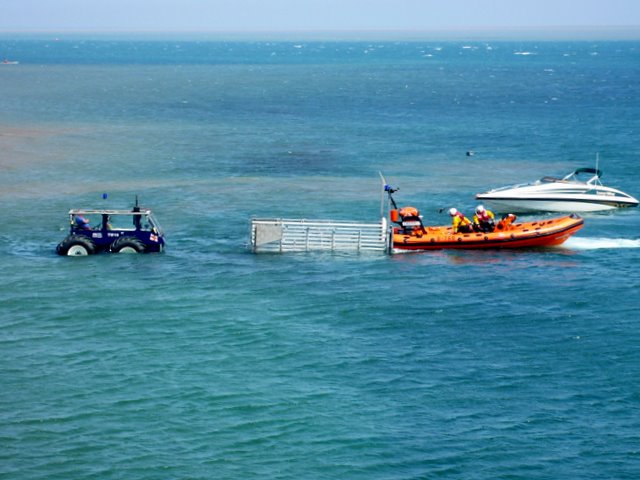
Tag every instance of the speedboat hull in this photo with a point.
(541, 233)
(567, 194)
(579, 204)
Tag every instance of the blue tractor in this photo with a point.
(118, 231)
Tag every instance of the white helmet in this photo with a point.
(452, 211)
(479, 209)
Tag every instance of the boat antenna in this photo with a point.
(384, 183)
(386, 188)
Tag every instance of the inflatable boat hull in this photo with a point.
(540, 233)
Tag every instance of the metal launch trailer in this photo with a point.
(302, 235)
(290, 235)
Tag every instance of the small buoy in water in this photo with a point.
(470, 153)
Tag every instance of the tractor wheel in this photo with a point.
(76, 246)
(128, 245)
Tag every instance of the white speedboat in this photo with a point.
(568, 194)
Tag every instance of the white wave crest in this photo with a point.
(578, 243)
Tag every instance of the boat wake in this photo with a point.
(582, 243)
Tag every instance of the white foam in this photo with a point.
(579, 243)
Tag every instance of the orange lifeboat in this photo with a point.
(540, 233)
(412, 234)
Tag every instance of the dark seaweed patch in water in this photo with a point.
(293, 163)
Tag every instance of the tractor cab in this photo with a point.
(121, 231)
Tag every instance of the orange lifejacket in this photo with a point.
(506, 222)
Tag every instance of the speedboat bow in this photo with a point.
(567, 194)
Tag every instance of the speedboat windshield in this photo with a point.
(579, 174)
(547, 180)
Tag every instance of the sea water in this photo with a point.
(209, 361)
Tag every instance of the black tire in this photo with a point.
(128, 245)
(76, 246)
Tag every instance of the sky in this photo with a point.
(311, 15)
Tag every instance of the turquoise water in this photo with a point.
(208, 361)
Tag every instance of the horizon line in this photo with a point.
(624, 31)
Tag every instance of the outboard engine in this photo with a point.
(409, 219)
